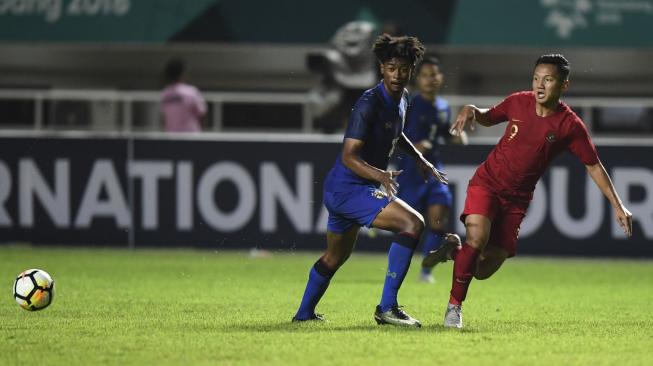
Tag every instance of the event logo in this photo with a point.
(53, 11)
(567, 16)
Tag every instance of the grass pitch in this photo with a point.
(163, 307)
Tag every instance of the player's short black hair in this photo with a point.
(558, 60)
(427, 60)
(387, 47)
(174, 69)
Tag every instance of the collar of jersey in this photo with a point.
(387, 99)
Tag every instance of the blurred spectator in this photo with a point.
(347, 68)
(182, 105)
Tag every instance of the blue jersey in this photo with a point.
(425, 121)
(428, 121)
(376, 119)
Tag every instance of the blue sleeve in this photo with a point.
(416, 130)
(360, 119)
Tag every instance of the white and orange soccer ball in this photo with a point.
(34, 289)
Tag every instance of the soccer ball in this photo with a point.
(34, 289)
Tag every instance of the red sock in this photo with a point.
(463, 272)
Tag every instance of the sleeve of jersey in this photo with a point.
(359, 120)
(499, 113)
(581, 144)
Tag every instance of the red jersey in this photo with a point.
(529, 144)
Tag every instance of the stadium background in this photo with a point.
(193, 249)
(82, 161)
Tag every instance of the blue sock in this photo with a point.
(318, 281)
(399, 257)
(432, 241)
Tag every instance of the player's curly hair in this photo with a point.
(558, 60)
(387, 47)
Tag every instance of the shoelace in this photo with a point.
(400, 313)
(457, 310)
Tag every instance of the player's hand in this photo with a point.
(387, 180)
(625, 220)
(465, 118)
(426, 169)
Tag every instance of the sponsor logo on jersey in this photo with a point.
(379, 194)
(513, 132)
(550, 136)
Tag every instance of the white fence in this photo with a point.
(113, 110)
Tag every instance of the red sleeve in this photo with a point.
(581, 145)
(499, 113)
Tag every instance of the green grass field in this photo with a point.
(119, 307)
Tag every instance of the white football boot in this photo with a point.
(453, 318)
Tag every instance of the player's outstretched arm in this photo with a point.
(602, 180)
(468, 116)
(425, 167)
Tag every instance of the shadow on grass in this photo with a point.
(330, 326)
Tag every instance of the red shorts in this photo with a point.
(506, 214)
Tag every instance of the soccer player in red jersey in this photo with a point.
(539, 127)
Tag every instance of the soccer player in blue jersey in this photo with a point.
(351, 189)
(427, 127)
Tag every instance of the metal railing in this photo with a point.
(122, 102)
(126, 99)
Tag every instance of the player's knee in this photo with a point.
(477, 242)
(334, 261)
(438, 225)
(475, 237)
(415, 225)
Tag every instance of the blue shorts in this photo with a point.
(422, 195)
(358, 205)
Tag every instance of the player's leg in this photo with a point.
(408, 225)
(339, 248)
(481, 207)
(437, 244)
(465, 259)
(490, 261)
(437, 224)
(502, 243)
(477, 232)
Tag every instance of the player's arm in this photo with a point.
(424, 165)
(469, 115)
(602, 180)
(351, 159)
(461, 139)
(423, 146)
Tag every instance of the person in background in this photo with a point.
(428, 121)
(182, 105)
